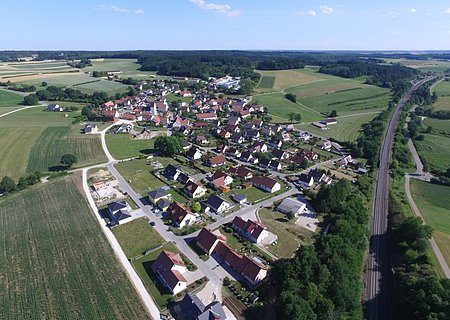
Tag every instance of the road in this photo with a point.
(378, 272)
(421, 175)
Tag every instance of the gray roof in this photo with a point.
(158, 193)
(120, 215)
(214, 201)
(163, 203)
(213, 311)
(190, 307)
(239, 197)
(117, 205)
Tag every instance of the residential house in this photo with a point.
(291, 205)
(158, 194)
(239, 198)
(266, 184)
(317, 175)
(280, 154)
(241, 172)
(163, 204)
(90, 128)
(275, 143)
(191, 308)
(172, 172)
(258, 146)
(207, 240)
(217, 204)
(119, 211)
(207, 116)
(194, 154)
(194, 189)
(251, 230)
(55, 107)
(169, 267)
(180, 122)
(305, 180)
(227, 179)
(216, 161)
(144, 134)
(237, 138)
(247, 156)
(124, 128)
(201, 140)
(181, 216)
(275, 165)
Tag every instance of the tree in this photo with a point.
(31, 99)
(7, 185)
(197, 207)
(168, 146)
(298, 117)
(291, 97)
(68, 160)
(44, 84)
(333, 114)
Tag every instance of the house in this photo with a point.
(90, 128)
(247, 156)
(241, 172)
(280, 154)
(194, 189)
(172, 172)
(233, 152)
(191, 308)
(217, 204)
(305, 180)
(216, 161)
(55, 107)
(224, 134)
(275, 143)
(234, 120)
(237, 138)
(317, 175)
(180, 122)
(239, 198)
(266, 184)
(163, 204)
(181, 216)
(227, 179)
(118, 211)
(194, 154)
(291, 205)
(124, 128)
(264, 162)
(208, 116)
(326, 145)
(201, 140)
(258, 146)
(275, 165)
(169, 267)
(144, 134)
(310, 155)
(251, 230)
(158, 194)
(208, 240)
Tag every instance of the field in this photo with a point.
(440, 126)
(123, 146)
(9, 99)
(138, 172)
(57, 264)
(435, 209)
(435, 150)
(442, 90)
(9, 71)
(4, 110)
(21, 130)
(54, 142)
(423, 65)
(317, 95)
(347, 129)
(128, 67)
(137, 236)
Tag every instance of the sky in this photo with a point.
(225, 24)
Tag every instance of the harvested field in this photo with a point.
(57, 264)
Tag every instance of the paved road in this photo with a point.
(377, 277)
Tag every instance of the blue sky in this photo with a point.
(225, 24)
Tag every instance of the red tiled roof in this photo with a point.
(264, 181)
(217, 159)
(206, 239)
(163, 266)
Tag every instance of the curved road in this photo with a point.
(376, 295)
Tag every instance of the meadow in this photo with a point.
(10, 99)
(123, 146)
(57, 263)
(54, 142)
(128, 67)
(283, 79)
(437, 66)
(438, 125)
(435, 209)
(435, 151)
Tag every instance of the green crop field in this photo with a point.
(435, 209)
(101, 85)
(347, 128)
(440, 126)
(56, 262)
(284, 79)
(53, 142)
(123, 146)
(435, 151)
(442, 88)
(128, 67)
(437, 66)
(267, 82)
(63, 80)
(9, 99)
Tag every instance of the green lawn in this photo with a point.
(137, 236)
(290, 235)
(123, 146)
(139, 173)
(53, 143)
(442, 88)
(109, 87)
(9, 99)
(435, 208)
(57, 263)
(435, 151)
(254, 194)
(173, 97)
(347, 128)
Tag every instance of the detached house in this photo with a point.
(241, 172)
(181, 216)
(207, 240)
(194, 189)
(306, 180)
(194, 154)
(90, 128)
(217, 204)
(251, 230)
(266, 184)
(55, 107)
(156, 195)
(118, 211)
(216, 161)
(169, 267)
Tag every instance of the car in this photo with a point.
(152, 223)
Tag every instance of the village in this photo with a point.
(235, 172)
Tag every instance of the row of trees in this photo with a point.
(8, 185)
(323, 281)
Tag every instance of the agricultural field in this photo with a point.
(423, 65)
(101, 85)
(54, 142)
(10, 99)
(347, 129)
(442, 90)
(128, 67)
(4, 110)
(57, 266)
(14, 71)
(267, 82)
(438, 125)
(435, 210)
(123, 146)
(280, 80)
(434, 150)
(137, 236)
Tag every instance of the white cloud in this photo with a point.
(118, 9)
(413, 10)
(326, 9)
(447, 11)
(217, 8)
(310, 13)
